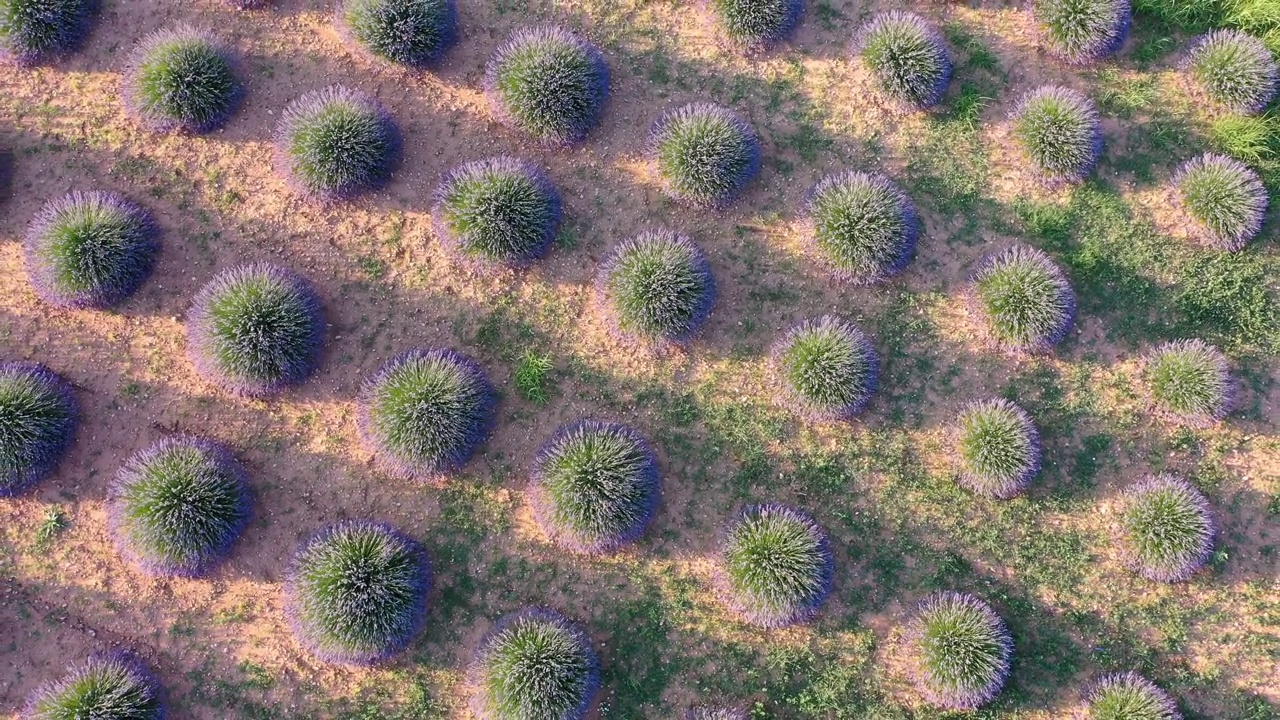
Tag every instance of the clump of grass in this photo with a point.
(907, 57)
(501, 211)
(998, 448)
(356, 593)
(425, 412)
(827, 367)
(757, 25)
(963, 651)
(1060, 133)
(53, 523)
(549, 84)
(1025, 299)
(90, 250)
(1129, 696)
(535, 664)
(716, 713)
(1253, 139)
(1225, 197)
(35, 31)
(178, 506)
(595, 486)
(1167, 529)
(776, 565)
(862, 225)
(531, 377)
(1234, 70)
(1190, 380)
(255, 330)
(181, 79)
(659, 287)
(37, 424)
(1081, 31)
(410, 32)
(335, 143)
(113, 685)
(705, 154)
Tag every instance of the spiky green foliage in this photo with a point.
(535, 665)
(998, 448)
(37, 422)
(424, 413)
(90, 250)
(255, 330)
(335, 143)
(410, 32)
(776, 565)
(357, 592)
(757, 25)
(595, 486)
(659, 287)
(863, 225)
(1129, 696)
(548, 83)
(705, 154)
(1190, 380)
(1060, 133)
(1225, 197)
(33, 31)
(962, 650)
(716, 713)
(178, 506)
(115, 686)
(181, 79)
(1167, 528)
(828, 368)
(502, 211)
(1234, 69)
(1080, 31)
(1025, 299)
(907, 57)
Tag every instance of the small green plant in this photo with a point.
(335, 143)
(535, 664)
(828, 368)
(1252, 139)
(409, 32)
(1081, 31)
(1226, 199)
(962, 650)
(705, 154)
(37, 423)
(1060, 133)
(1129, 696)
(863, 226)
(499, 211)
(1167, 529)
(757, 25)
(776, 565)
(531, 377)
(1233, 69)
(1025, 298)
(907, 57)
(115, 685)
(659, 287)
(34, 31)
(181, 79)
(998, 448)
(53, 522)
(549, 84)
(1190, 380)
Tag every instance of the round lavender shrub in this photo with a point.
(757, 25)
(109, 686)
(776, 565)
(1190, 380)
(500, 211)
(1129, 696)
(1081, 31)
(1234, 69)
(906, 56)
(1167, 528)
(863, 226)
(90, 250)
(178, 506)
(36, 31)
(37, 424)
(336, 143)
(255, 330)
(827, 367)
(659, 287)
(1059, 132)
(1025, 299)
(595, 486)
(716, 713)
(410, 32)
(998, 448)
(705, 154)
(356, 593)
(962, 650)
(549, 84)
(535, 664)
(181, 79)
(1225, 197)
(425, 412)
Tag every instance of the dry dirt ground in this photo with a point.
(882, 485)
